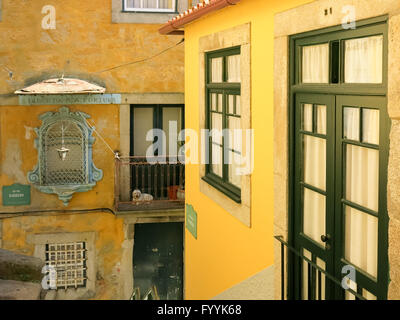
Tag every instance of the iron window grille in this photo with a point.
(69, 262)
(150, 5)
(75, 172)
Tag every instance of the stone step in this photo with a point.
(14, 266)
(17, 290)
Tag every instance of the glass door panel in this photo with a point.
(361, 209)
(315, 151)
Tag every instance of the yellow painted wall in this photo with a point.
(226, 251)
(18, 155)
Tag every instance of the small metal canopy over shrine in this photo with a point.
(62, 86)
(65, 91)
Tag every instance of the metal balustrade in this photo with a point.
(313, 280)
(160, 181)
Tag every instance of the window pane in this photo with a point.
(235, 138)
(216, 126)
(231, 104)
(238, 105)
(233, 64)
(234, 169)
(353, 286)
(315, 162)
(322, 265)
(214, 103)
(150, 4)
(314, 215)
(170, 117)
(307, 117)
(370, 126)
(142, 123)
(361, 240)
(316, 64)
(364, 60)
(216, 161)
(368, 295)
(351, 124)
(321, 119)
(362, 181)
(216, 70)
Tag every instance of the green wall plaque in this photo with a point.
(191, 220)
(16, 195)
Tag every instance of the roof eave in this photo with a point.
(173, 26)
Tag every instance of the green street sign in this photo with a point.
(191, 220)
(17, 195)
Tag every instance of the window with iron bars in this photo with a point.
(69, 263)
(150, 5)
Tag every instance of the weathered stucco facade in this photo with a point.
(83, 44)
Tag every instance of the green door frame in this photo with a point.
(369, 27)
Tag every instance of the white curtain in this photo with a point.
(314, 213)
(351, 124)
(216, 72)
(315, 162)
(233, 63)
(143, 122)
(307, 117)
(364, 60)
(150, 4)
(321, 119)
(362, 188)
(216, 161)
(316, 64)
(371, 126)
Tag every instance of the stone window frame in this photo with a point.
(233, 37)
(119, 15)
(137, 10)
(40, 241)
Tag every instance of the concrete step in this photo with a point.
(17, 290)
(14, 266)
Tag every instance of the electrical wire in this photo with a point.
(8, 215)
(142, 60)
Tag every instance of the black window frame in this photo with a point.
(225, 88)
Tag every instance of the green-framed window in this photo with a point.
(223, 121)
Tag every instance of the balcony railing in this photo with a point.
(314, 279)
(149, 184)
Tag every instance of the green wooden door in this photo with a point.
(340, 219)
(339, 145)
(314, 190)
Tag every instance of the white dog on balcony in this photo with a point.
(139, 197)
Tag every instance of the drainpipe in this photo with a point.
(172, 27)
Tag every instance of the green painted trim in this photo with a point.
(224, 88)
(229, 190)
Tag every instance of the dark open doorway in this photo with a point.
(158, 259)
